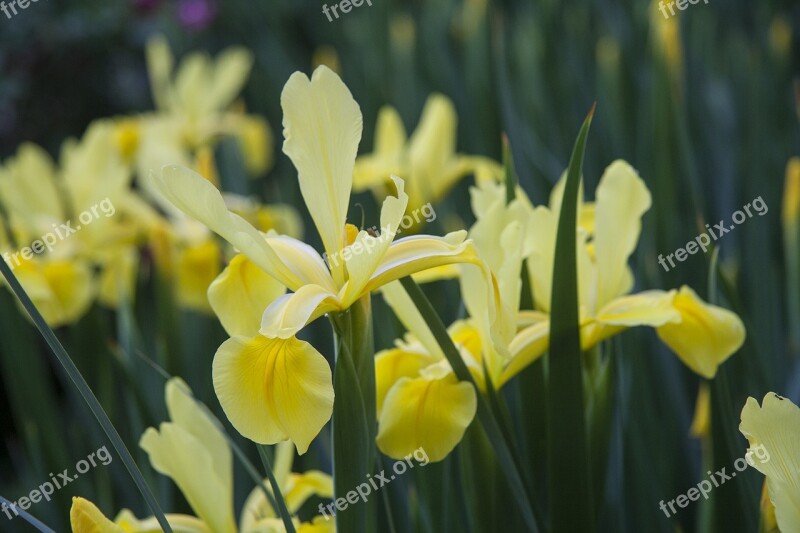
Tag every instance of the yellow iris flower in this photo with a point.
(194, 452)
(427, 161)
(774, 426)
(273, 386)
(420, 404)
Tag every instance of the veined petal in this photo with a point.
(322, 127)
(773, 431)
(365, 254)
(274, 389)
(431, 414)
(240, 295)
(396, 363)
(198, 198)
(413, 254)
(85, 517)
(706, 335)
(291, 312)
(622, 199)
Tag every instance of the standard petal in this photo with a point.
(373, 170)
(240, 295)
(773, 431)
(526, 347)
(291, 312)
(193, 452)
(431, 414)
(274, 389)
(621, 200)
(649, 308)
(706, 335)
(303, 260)
(198, 198)
(322, 126)
(365, 254)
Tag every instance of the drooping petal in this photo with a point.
(396, 363)
(302, 259)
(773, 431)
(706, 335)
(193, 452)
(649, 308)
(365, 254)
(291, 312)
(199, 199)
(274, 389)
(240, 295)
(62, 290)
(621, 200)
(407, 313)
(428, 413)
(322, 127)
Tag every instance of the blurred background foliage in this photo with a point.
(702, 105)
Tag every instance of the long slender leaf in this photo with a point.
(83, 388)
(568, 459)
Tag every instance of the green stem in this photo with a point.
(77, 379)
(276, 490)
(485, 415)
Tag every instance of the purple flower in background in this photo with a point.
(196, 14)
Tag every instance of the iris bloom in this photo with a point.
(420, 403)
(427, 160)
(193, 451)
(775, 426)
(272, 385)
(44, 199)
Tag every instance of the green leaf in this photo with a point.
(490, 425)
(568, 458)
(77, 379)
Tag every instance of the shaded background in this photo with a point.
(709, 121)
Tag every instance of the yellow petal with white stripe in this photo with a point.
(773, 431)
(427, 413)
(706, 335)
(240, 295)
(274, 389)
(322, 126)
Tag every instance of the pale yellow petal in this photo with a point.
(706, 335)
(622, 199)
(407, 313)
(322, 129)
(274, 389)
(773, 431)
(431, 414)
(240, 294)
(198, 265)
(159, 69)
(373, 170)
(649, 308)
(302, 259)
(199, 199)
(526, 347)
(291, 312)
(62, 290)
(396, 363)
(230, 74)
(365, 254)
